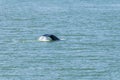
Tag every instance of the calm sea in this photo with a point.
(90, 49)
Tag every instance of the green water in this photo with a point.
(90, 49)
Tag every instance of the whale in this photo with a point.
(48, 37)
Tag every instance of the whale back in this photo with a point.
(53, 37)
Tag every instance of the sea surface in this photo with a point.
(90, 45)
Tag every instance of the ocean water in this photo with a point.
(90, 49)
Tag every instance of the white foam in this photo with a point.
(44, 38)
(62, 39)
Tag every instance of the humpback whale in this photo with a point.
(48, 37)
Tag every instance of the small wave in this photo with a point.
(16, 41)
